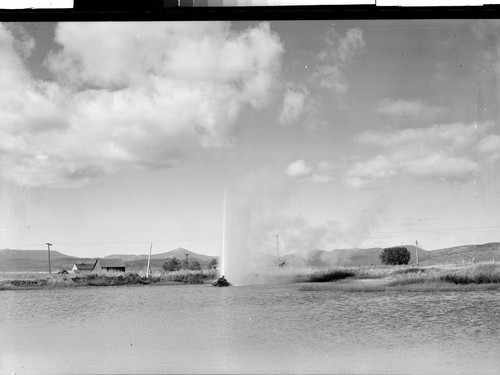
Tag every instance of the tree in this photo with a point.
(395, 255)
(212, 264)
(195, 266)
(172, 264)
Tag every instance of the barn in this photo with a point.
(108, 265)
(83, 267)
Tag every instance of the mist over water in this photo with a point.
(223, 252)
(256, 209)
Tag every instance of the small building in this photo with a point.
(83, 267)
(108, 265)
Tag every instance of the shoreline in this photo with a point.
(37, 281)
(475, 277)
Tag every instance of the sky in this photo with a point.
(329, 134)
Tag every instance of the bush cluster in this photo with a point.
(105, 280)
(330, 276)
(395, 255)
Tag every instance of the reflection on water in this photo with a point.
(252, 329)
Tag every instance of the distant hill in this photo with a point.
(179, 253)
(466, 253)
(37, 260)
(337, 257)
(366, 257)
(126, 257)
(7, 254)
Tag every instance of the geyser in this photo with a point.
(221, 281)
(253, 207)
(237, 261)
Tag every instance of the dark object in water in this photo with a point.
(221, 281)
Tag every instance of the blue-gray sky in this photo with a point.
(334, 134)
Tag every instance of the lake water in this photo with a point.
(248, 329)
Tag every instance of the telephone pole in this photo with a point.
(149, 260)
(416, 251)
(278, 250)
(187, 261)
(48, 248)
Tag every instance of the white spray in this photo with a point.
(223, 254)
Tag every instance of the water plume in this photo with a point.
(223, 253)
(255, 210)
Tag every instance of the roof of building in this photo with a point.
(84, 266)
(111, 263)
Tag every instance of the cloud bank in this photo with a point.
(452, 152)
(300, 100)
(402, 110)
(445, 153)
(296, 103)
(301, 170)
(127, 94)
(339, 53)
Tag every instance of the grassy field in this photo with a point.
(36, 280)
(475, 276)
(480, 276)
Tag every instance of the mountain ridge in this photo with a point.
(12, 260)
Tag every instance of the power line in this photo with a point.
(132, 242)
(438, 230)
(117, 242)
(220, 239)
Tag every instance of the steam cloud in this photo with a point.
(257, 211)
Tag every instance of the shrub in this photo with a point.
(195, 266)
(190, 277)
(172, 264)
(409, 270)
(395, 255)
(212, 264)
(330, 276)
(480, 278)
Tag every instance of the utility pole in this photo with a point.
(416, 251)
(149, 261)
(278, 250)
(48, 248)
(187, 261)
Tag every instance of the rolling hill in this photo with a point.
(465, 253)
(179, 253)
(7, 254)
(36, 260)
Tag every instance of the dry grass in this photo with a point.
(478, 276)
(483, 276)
(330, 275)
(486, 273)
(25, 280)
(190, 276)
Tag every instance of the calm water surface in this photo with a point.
(251, 329)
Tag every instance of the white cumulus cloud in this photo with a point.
(490, 146)
(332, 60)
(448, 152)
(301, 170)
(401, 110)
(128, 94)
(295, 104)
